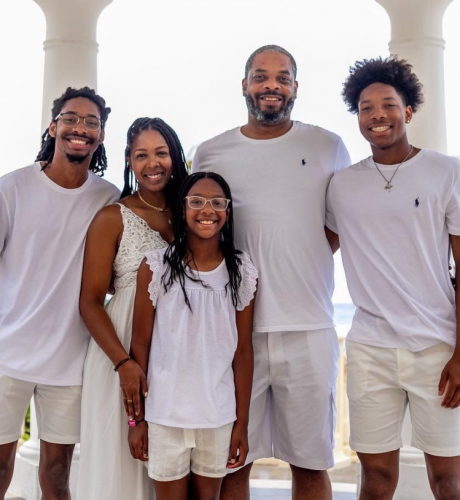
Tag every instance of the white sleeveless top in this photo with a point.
(137, 239)
(190, 376)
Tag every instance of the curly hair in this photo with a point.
(99, 160)
(390, 71)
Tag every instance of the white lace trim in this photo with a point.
(248, 286)
(137, 239)
(155, 262)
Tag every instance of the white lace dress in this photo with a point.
(107, 470)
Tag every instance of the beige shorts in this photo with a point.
(58, 410)
(293, 412)
(381, 383)
(174, 452)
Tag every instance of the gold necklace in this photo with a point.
(388, 184)
(157, 209)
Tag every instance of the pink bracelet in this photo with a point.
(133, 423)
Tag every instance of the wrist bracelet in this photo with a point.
(122, 362)
(133, 423)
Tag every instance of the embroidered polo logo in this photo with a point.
(417, 202)
(304, 161)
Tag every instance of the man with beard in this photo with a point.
(279, 170)
(45, 211)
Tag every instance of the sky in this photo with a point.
(183, 60)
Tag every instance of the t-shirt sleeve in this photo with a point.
(342, 159)
(4, 222)
(155, 262)
(453, 209)
(330, 216)
(248, 286)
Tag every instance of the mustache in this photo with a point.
(271, 93)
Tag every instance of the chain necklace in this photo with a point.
(157, 209)
(388, 184)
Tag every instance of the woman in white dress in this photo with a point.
(117, 241)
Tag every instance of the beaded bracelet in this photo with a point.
(133, 423)
(122, 362)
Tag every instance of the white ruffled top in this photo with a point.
(190, 376)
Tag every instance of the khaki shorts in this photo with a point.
(58, 410)
(293, 412)
(174, 452)
(381, 383)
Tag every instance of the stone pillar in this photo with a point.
(70, 61)
(70, 47)
(416, 35)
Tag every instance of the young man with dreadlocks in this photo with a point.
(45, 211)
(395, 213)
(279, 170)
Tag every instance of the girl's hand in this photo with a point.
(139, 442)
(134, 386)
(239, 446)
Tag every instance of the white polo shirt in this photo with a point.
(395, 249)
(279, 200)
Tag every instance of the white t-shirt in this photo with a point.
(190, 375)
(279, 201)
(395, 249)
(42, 235)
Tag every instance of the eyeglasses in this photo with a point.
(198, 203)
(72, 120)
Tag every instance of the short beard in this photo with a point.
(76, 158)
(269, 117)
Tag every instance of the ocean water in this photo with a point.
(343, 313)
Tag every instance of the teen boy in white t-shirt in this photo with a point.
(279, 170)
(45, 211)
(395, 213)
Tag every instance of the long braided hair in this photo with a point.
(179, 249)
(179, 168)
(99, 160)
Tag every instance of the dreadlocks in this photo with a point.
(179, 249)
(179, 169)
(99, 159)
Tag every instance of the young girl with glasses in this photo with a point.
(192, 329)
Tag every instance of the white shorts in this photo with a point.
(381, 383)
(293, 411)
(174, 452)
(58, 410)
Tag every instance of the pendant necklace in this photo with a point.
(157, 209)
(388, 184)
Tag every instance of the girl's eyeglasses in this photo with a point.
(198, 203)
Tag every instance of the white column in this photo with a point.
(70, 47)
(416, 35)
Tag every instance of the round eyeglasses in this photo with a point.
(91, 123)
(198, 203)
